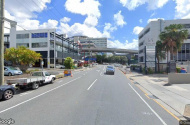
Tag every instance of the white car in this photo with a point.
(60, 66)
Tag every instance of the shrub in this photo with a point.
(68, 63)
(150, 71)
(178, 69)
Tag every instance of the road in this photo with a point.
(90, 97)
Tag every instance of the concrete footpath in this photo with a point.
(174, 98)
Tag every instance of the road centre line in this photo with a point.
(38, 96)
(163, 122)
(91, 85)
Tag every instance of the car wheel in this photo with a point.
(52, 80)
(9, 74)
(8, 94)
(35, 86)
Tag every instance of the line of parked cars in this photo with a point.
(11, 71)
(34, 81)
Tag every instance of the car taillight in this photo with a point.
(25, 84)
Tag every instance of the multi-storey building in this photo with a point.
(52, 46)
(150, 35)
(94, 42)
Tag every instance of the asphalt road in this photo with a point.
(90, 97)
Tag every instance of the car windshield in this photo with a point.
(111, 67)
(37, 74)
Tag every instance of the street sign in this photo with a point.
(42, 63)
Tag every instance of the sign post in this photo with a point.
(42, 64)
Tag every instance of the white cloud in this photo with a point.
(119, 19)
(25, 12)
(140, 21)
(108, 28)
(152, 4)
(87, 7)
(182, 9)
(22, 10)
(65, 19)
(49, 24)
(154, 19)
(125, 45)
(91, 21)
(137, 30)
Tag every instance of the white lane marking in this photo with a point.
(104, 68)
(91, 85)
(37, 96)
(98, 70)
(101, 74)
(163, 122)
(22, 94)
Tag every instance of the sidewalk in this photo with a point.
(173, 97)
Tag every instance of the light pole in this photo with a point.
(2, 3)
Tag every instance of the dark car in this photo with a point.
(7, 63)
(6, 92)
(110, 70)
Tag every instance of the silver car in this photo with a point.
(10, 71)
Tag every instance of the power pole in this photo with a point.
(2, 3)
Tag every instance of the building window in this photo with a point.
(39, 45)
(140, 36)
(147, 31)
(186, 25)
(22, 44)
(22, 36)
(39, 35)
(140, 44)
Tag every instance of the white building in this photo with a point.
(150, 35)
(52, 46)
(94, 42)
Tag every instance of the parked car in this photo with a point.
(110, 70)
(59, 66)
(10, 71)
(6, 92)
(7, 63)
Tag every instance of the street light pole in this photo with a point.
(2, 3)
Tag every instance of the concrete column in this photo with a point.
(13, 34)
(54, 51)
(48, 51)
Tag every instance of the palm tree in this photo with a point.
(172, 38)
(159, 53)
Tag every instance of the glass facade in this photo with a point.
(22, 44)
(39, 35)
(22, 36)
(39, 45)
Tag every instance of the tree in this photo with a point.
(159, 53)
(172, 38)
(68, 62)
(22, 57)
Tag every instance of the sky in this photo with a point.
(118, 20)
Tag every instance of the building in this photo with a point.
(150, 35)
(93, 42)
(52, 46)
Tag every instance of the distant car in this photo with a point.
(60, 66)
(117, 65)
(6, 92)
(10, 71)
(110, 70)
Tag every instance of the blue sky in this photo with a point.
(118, 20)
